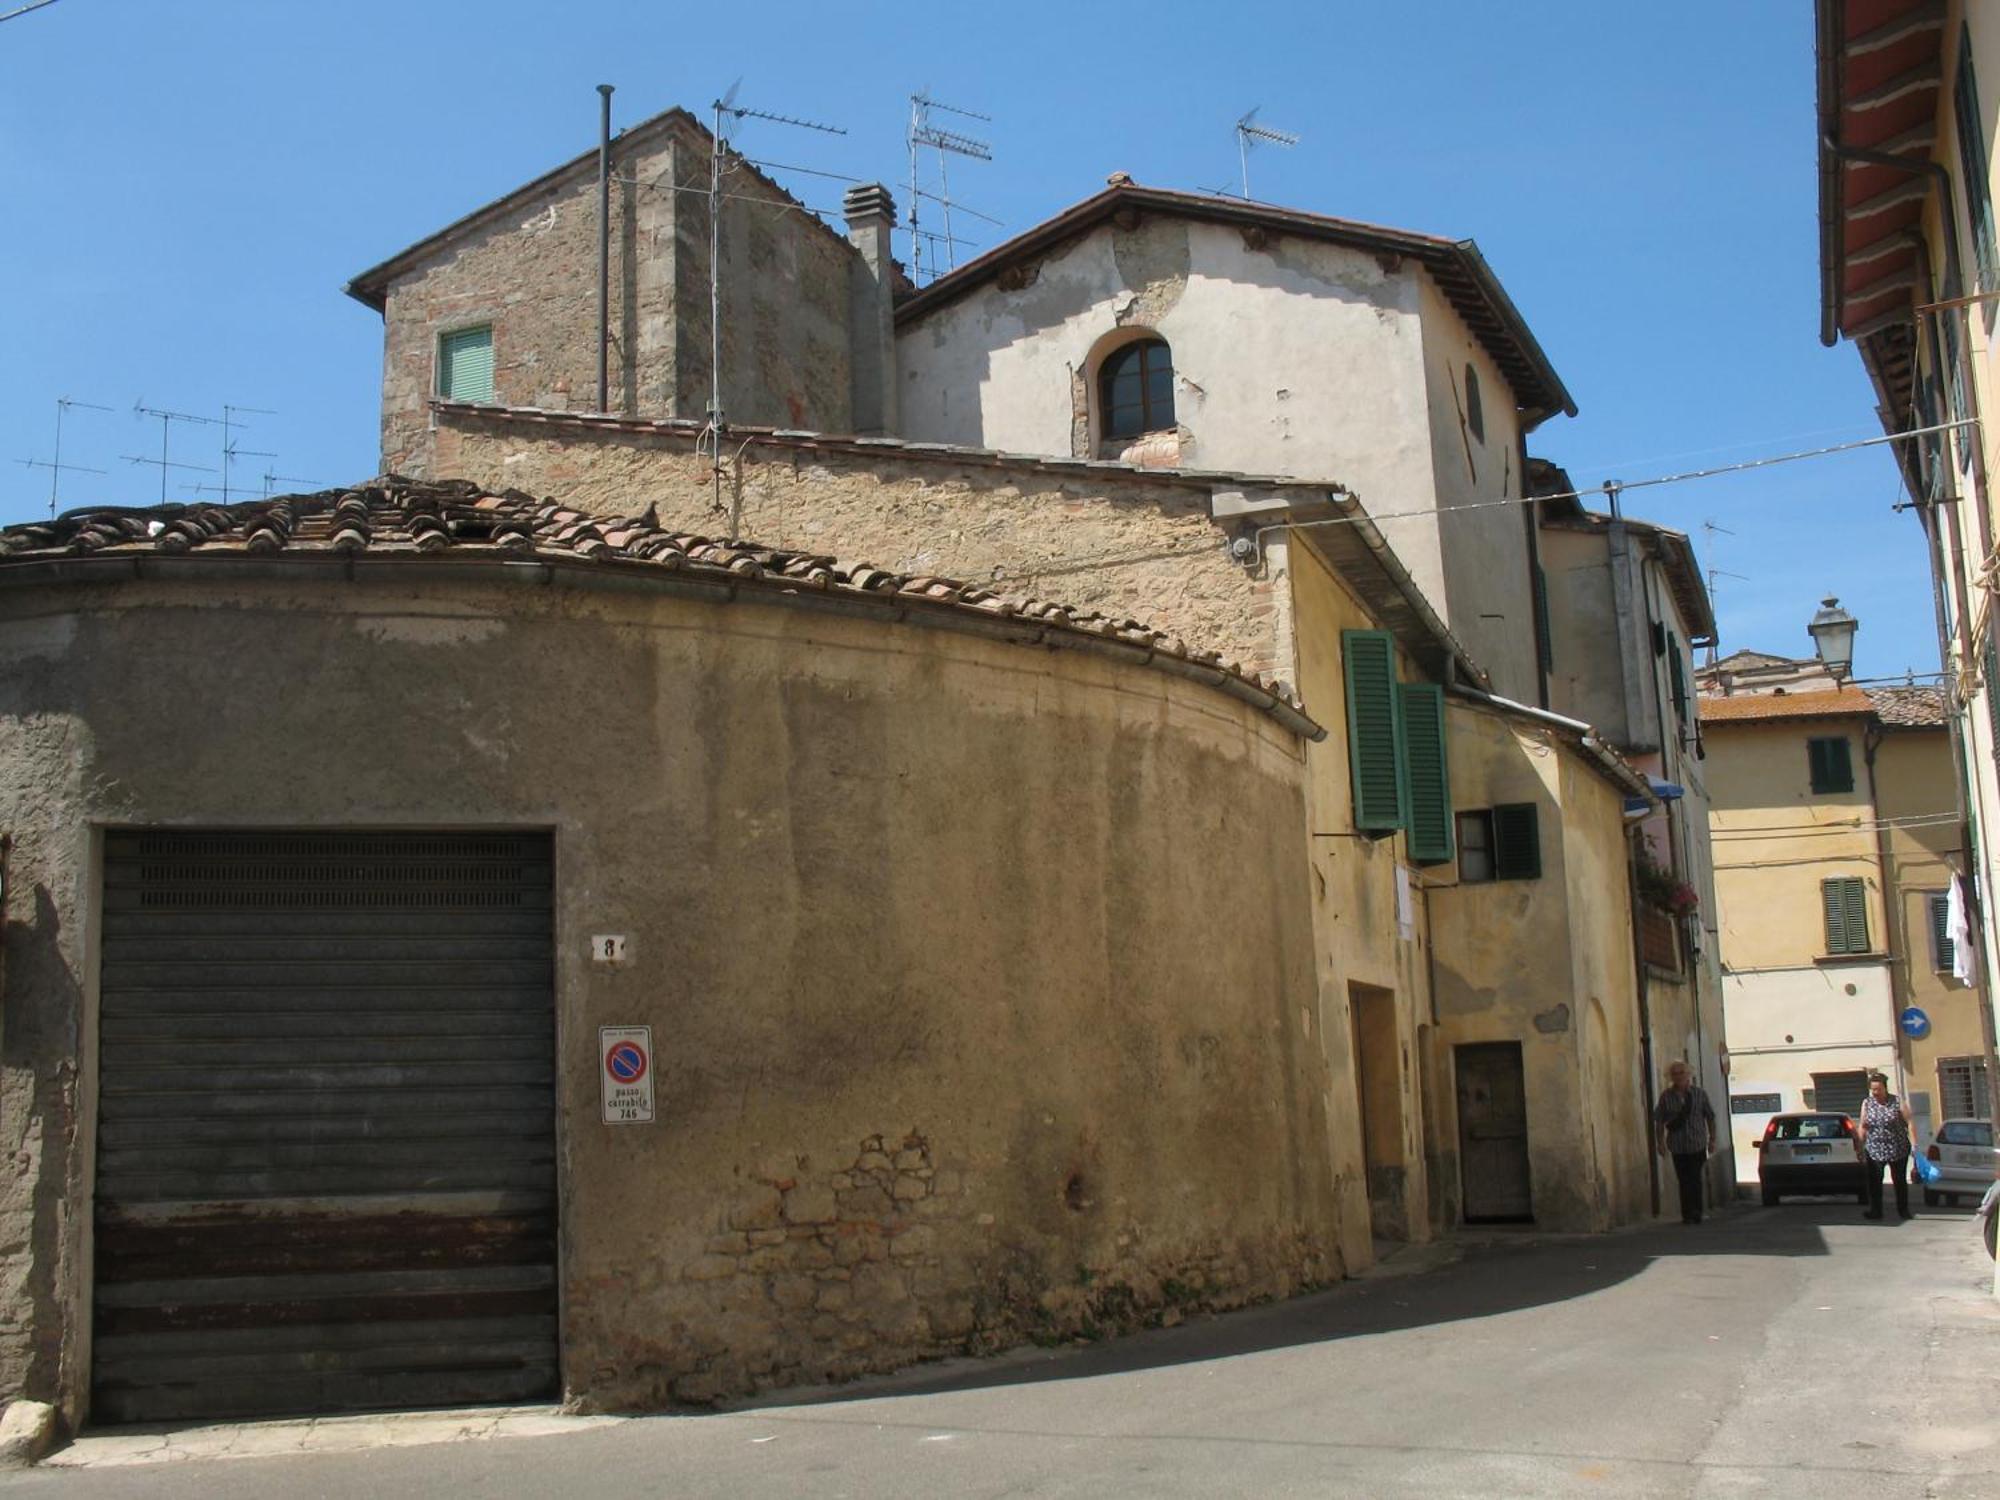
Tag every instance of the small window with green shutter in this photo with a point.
(465, 364)
(1429, 772)
(1938, 903)
(1517, 842)
(1375, 752)
(1845, 903)
(1831, 764)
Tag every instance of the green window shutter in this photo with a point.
(1831, 763)
(1856, 897)
(1992, 674)
(1941, 948)
(1845, 902)
(1517, 842)
(1429, 772)
(1374, 731)
(465, 365)
(1835, 911)
(1678, 673)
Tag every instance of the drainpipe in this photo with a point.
(1893, 937)
(604, 248)
(1646, 1074)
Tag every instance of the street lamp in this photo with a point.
(1832, 630)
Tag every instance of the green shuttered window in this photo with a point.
(1831, 763)
(1375, 731)
(465, 365)
(1845, 901)
(1429, 779)
(1517, 842)
(1938, 903)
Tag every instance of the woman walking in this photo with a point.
(1886, 1131)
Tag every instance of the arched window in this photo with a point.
(1135, 389)
(1475, 417)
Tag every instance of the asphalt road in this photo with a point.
(1783, 1352)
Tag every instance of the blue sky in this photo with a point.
(189, 185)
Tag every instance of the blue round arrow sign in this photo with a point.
(1914, 1022)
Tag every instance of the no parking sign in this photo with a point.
(626, 1055)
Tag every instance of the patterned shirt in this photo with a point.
(1690, 1137)
(1885, 1135)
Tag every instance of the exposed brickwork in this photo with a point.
(828, 1271)
(532, 275)
(1125, 545)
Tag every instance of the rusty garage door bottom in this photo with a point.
(326, 1145)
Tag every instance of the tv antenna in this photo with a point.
(230, 451)
(1714, 531)
(946, 143)
(56, 467)
(271, 479)
(1249, 133)
(718, 155)
(167, 420)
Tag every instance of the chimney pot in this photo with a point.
(866, 203)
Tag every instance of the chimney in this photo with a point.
(871, 319)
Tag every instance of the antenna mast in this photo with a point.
(167, 420)
(56, 467)
(1714, 640)
(946, 143)
(1248, 133)
(717, 159)
(230, 452)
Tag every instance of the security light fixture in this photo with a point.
(1832, 630)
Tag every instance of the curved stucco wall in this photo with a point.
(982, 976)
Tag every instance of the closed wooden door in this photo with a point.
(1493, 1134)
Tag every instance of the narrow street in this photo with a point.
(1772, 1352)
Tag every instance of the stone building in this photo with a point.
(306, 970)
(1161, 328)
(1626, 608)
(1170, 408)
(1207, 993)
(501, 306)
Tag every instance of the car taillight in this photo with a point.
(1848, 1125)
(1933, 1152)
(1770, 1129)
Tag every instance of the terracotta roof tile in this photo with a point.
(391, 517)
(1817, 705)
(1910, 707)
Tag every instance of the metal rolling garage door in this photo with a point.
(326, 1146)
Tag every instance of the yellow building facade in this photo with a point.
(1834, 826)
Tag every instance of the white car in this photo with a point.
(1965, 1156)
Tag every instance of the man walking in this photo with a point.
(1684, 1125)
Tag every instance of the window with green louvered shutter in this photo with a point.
(465, 365)
(1374, 731)
(1845, 903)
(1517, 842)
(1992, 685)
(1831, 764)
(1939, 906)
(1430, 832)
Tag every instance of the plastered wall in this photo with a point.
(985, 977)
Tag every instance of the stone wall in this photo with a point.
(1133, 545)
(983, 974)
(532, 274)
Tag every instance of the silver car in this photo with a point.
(1965, 1156)
(1811, 1152)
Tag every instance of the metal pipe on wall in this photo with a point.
(604, 91)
